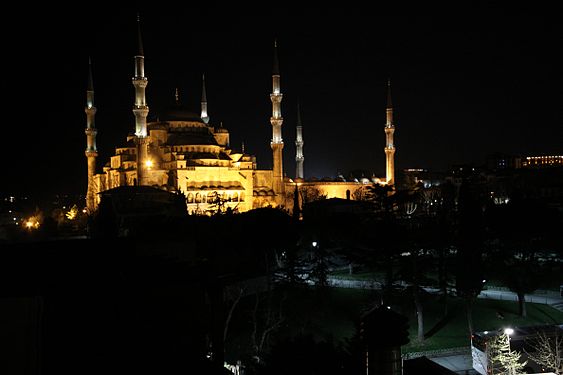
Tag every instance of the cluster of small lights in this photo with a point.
(544, 157)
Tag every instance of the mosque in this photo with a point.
(184, 152)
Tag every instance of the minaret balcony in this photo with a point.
(90, 110)
(276, 121)
(141, 111)
(276, 98)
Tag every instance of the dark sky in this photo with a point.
(463, 87)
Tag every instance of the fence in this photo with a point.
(438, 352)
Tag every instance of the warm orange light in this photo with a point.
(149, 164)
(72, 213)
(31, 223)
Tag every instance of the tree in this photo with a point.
(547, 352)
(381, 197)
(265, 321)
(296, 208)
(232, 294)
(518, 240)
(445, 217)
(291, 267)
(469, 272)
(503, 360)
(412, 271)
(217, 204)
(417, 264)
(319, 266)
(310, 194)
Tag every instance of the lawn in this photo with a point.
(361, 275)
(453, 331)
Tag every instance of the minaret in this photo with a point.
(389, 146)
(299, 158)
(140, 110)
(276, 120)
(204, 115)
(91, 151)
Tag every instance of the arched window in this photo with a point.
(241, 199)
(190, 198)
(197, 198)
(235, 197)
(210, 197)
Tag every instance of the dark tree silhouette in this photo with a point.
(469, 268)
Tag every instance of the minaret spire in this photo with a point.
(389, 145)
(140, 110)
(91, 150)
(277, 120)
(389, 100)
(276, 66)
(90, 77)
(299, 158)
(204, 115)
(140, 51)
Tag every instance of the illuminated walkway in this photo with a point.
(544, 297)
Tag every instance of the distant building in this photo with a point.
(499, 161)
(544, 161)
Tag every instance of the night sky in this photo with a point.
(463, 87)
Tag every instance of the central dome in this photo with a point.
(179, 112)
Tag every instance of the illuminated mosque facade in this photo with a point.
(184, 152)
